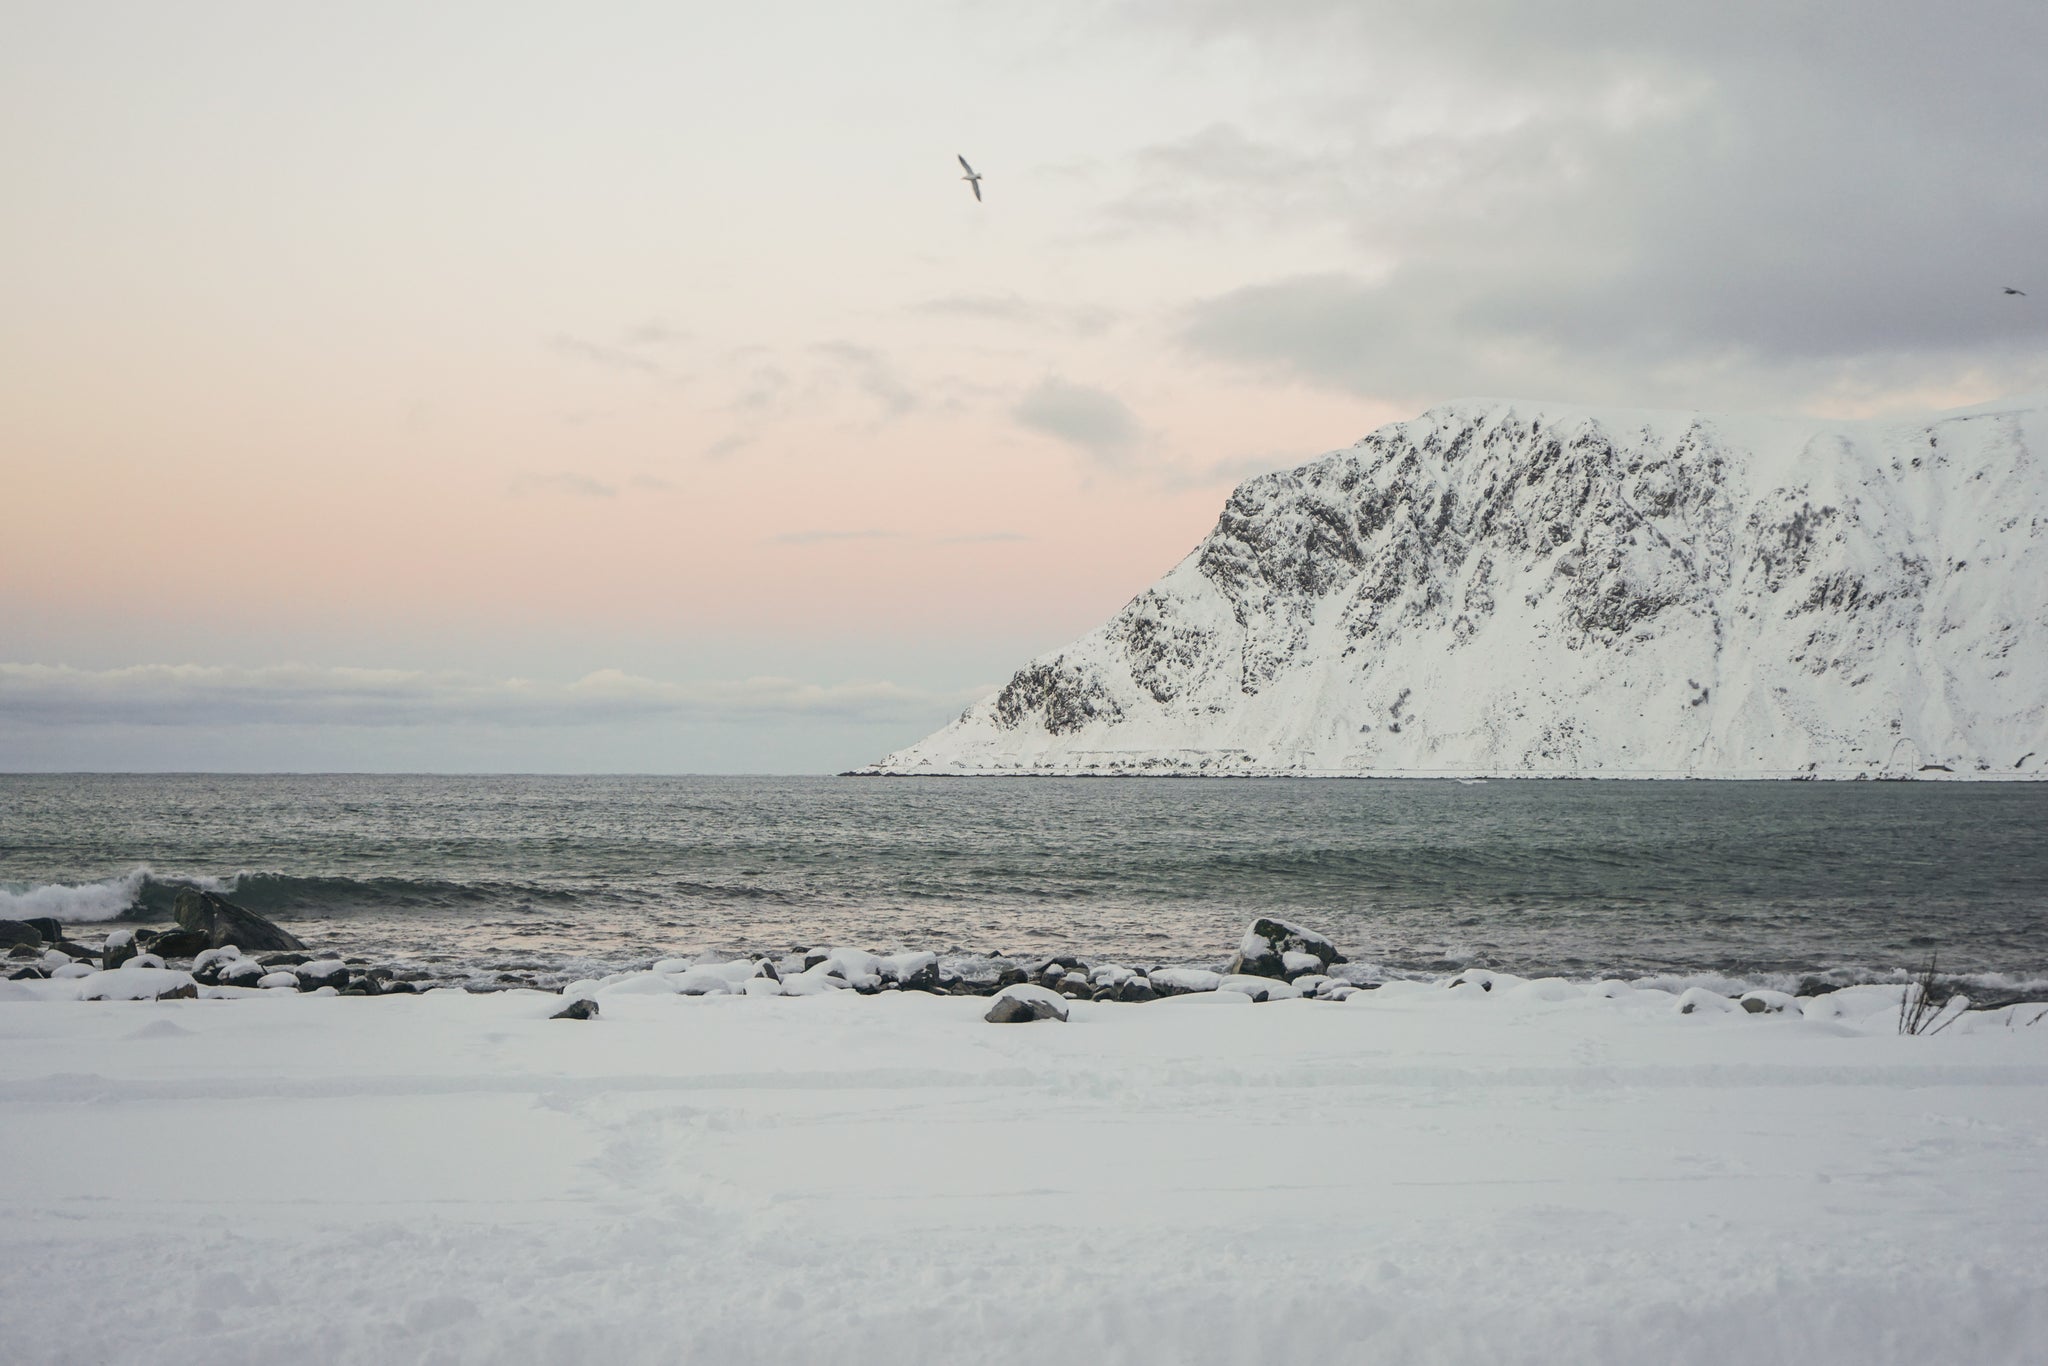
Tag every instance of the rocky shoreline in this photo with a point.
(217, 949)
(215, 944)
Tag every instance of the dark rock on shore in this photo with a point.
(51, 929)
(582, 1008)
(119, 948)
(19, 932)
(176, 943)
(29, 974)
(223, 923)
(315, 973)
(1026, 1006)
(925, 978)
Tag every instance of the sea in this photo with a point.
(486, 881)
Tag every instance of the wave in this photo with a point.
(283, 895)
(74, 903)
(142, 893)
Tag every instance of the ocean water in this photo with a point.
(552, 876)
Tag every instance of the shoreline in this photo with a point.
(58, 971)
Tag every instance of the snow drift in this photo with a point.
(1503, 588)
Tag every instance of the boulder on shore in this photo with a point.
(1024, 1004)
(175, 943)
(19, 932)
(137, 984)
(225, 923)
(1283, 950)
(52, 929)
(582, 1008)
(119, 948)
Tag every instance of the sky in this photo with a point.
(597, 386)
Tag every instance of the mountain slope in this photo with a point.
(1507, 588)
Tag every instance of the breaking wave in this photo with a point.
(82, 902)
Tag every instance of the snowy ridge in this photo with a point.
(1512, 589)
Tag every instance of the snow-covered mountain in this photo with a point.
(1512, 588)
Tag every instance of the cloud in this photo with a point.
(1089, 419)
(765, 391)
(815, 537)
(1744, 204)
(565, 481)
(653, 332)
(618, 359)
(872, 375)
(206, 695)
(1079, 319)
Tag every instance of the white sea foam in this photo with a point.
(70, 904)
(88, 902)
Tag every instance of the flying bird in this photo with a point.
(2008, 289)
(973, 178)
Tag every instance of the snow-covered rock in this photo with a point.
(1281, 948)
(912, 970)
(1512, 588)
(712, 979)
(1025, 1004)
(119, 948)
(819, 979)
(241, 972)
(133, 983)
(321, 972)
(1259, 988)
(1184, 981)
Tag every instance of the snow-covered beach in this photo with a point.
(1498, 1171)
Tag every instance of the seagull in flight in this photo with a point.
(973, 178)
(2008, 289)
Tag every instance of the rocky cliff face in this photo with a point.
(1505, 588)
